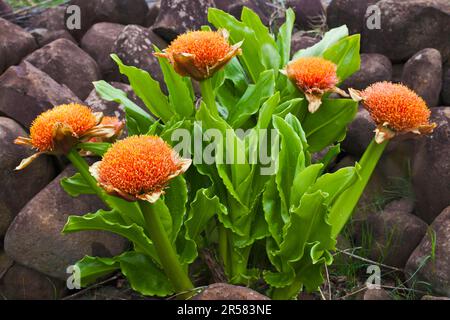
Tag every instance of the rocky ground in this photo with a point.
(402, 223)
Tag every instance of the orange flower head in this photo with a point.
(395, 109)
(199, 54)
(314, 76)
(77, 117)
(138, 167)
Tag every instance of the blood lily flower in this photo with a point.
(138, 168)
(199, 54)
(58, 130)
(314, 76)
(395, 109)
(113, 122)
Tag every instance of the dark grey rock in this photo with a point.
(300, 41)
(349, 12)
(308, 13)
(374, 68)
(224, 291)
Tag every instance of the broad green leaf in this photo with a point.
(328, 124)
(144, 276)
(345, 54)
(272, 210)
(328, 40)
(76, 185)
(97, 148)
(175, 200)
(285, 36)
(93, 268)
(267, 110)
(138, 121)
(270, 57)
(147, 89)
(302, 181)
(252, 99)
(250, 57)
(179, 89)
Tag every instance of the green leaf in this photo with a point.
(175, 200)
(144, 276)
(111, 221)
(97, 148)
(328, 124)
(251, 101)
(285, 36)
(272, 210)
(94, 268)
(147, 89)
(250, 58)
(76, 185)
(328, 40)
(270, 56)
(345, 54)
(179, 89)
(138, 120)
(302, 181)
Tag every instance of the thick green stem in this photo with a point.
(164, 249)
(209, 96)
(239, 264)
(83, 168)
(343, 208)
(223, 249)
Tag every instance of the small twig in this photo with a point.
(404, 289)
(353, 293)
(217, 272)
(322, 295)
(328, 281)
(94, 286)
(368, 260)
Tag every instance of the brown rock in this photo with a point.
(178, 16)
(423, 74)
(235, 8)
(359, 133)
(67, 64)
(52, 19)
(153, 11)
(98, 42)
(308, 13)
(224, 291)
(408, 26)
(445, 94)
(29, 181)
(428, 297)
(349, 12)
(22, 283)
(16, 43)
(396, 232)
(432, 265)
(134, 46)
(376, 294)
(431, 168)
(44, 36)
(34, 238)
(31, 89)
(374, 68)
(300, 41)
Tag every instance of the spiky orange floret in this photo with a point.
(138, 164)
(207, 47)
(80, 118)
(395, 104)
(312, 73)
(108, 121)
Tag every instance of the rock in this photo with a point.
(67, 64)
(52, 19)
(178, 16)
(34, 238)
(5, 263)
(423, 74)
(224, 291)
(134, 46)
(235, 8)
(376, 294)
(409, 26)
(349, 12)
(44, 36)
(153, 11)
(300, 41)
(428, 297)
(359, 133)
(433, 268)
(395, 232)
(31, 89)
(16, 43)
(98, 42)
(111, 108)
(397, 72)
(431, 168)
(445, 94)
(22, 283)
(29, 181)
(308, 13)
(5, 9)
(114, 11)
(374, 68)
